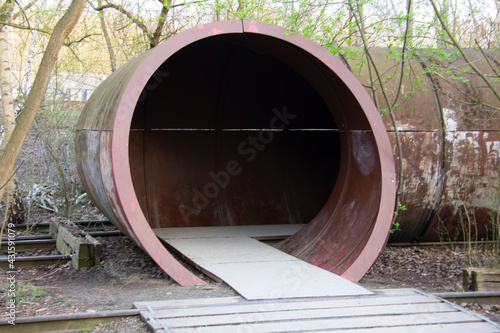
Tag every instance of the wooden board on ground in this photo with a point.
(401, 311)
(481, 279)
(254, 269)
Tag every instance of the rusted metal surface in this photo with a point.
(423, 182)
(472, 191)
(450, 143)
(240, 123)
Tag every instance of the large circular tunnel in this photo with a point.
(241, 123)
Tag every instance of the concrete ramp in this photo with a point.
(254, 269)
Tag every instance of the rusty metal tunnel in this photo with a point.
(240, 123)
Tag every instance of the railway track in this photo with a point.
(45, 241)
(72, 322)
(76, 322)
(27, 261)
(441, 244)
(25, 245)
(104, 228)
(85, 225)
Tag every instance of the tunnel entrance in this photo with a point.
(230, 135)
(241, 123)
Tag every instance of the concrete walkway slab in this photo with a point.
(254, 269)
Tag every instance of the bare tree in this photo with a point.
(25, 120)
(153, 36)
(14, 207)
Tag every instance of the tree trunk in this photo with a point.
(410, 26)
(25, 120)
(106, 37)
(154, 38)
(14, 211)
(9, 118)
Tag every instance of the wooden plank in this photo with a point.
(264, 306)
(340, 323)
(481, 279)
(188, 303)
(442, 328)
(253, 231)
(70, 240)
(270, 316)
(385, 311)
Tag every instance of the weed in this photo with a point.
(61, 302)
(395, 224)
(26, 292)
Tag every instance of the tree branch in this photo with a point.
(22, 27)
(6, 11)
(69, 43)
(466, 58)
(109, 45)
(386, 98)
(403, 54)
(23, 10)
(125, 12)
(487, 58)
(474, 99)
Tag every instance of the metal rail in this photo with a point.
(85, 320)
(481, 297)
(45, 241)
(28, 261)
(436, 244)
(106, 233)
(65, 322)
(44, 226)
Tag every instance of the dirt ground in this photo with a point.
(127, 275)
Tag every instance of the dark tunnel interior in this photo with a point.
(226, 133)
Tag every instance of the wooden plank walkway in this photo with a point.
(398, 310)
(252, 268)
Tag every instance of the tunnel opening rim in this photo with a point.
(119, 152)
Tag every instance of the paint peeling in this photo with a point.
(252, 27)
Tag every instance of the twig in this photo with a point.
(22, 27)
(467, 94)
(389, 106)
(486, 57)
(466, 58)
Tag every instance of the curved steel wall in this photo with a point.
(450, 142)
(235, 123)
